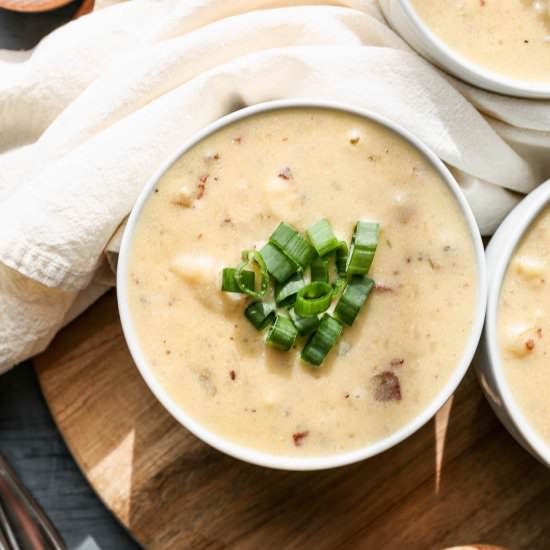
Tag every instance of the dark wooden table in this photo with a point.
(28, 436)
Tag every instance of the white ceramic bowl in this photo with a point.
(404, 19)
(251, 455)
(488, 360)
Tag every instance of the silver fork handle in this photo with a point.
(23, 524)
(7, 536)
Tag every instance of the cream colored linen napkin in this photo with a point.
(88, 116)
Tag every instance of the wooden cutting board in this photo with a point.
(461, 479)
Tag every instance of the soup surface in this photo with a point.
(228, 193)
(508, 37)
(524, 325)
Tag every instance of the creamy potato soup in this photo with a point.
(508, 37)
(524, 325)
(227, 194)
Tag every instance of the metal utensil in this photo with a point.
(23, 524)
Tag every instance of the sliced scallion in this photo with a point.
(353, 298)
(278, 264)
(260, 314)
(314, 298)
(285, 293)
(282, 334)
(322, 340)
(282, 235)
(322, 237)
(293, 245)
(363, 248)
(338, 286)
(229, 284)
(300, 251)
(319, 269)
(341, 258)
(305, 325)
(249, 256)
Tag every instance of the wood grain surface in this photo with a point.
(460, 480)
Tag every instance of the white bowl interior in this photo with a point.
(539, 199)
(471, 72)
(251, 455)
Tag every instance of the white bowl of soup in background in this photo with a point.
(509, 360)
(342, 128)
(519, 66)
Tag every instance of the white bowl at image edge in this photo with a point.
(406, 22)
(488, 360)
(286, 462)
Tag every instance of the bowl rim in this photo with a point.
(529, 209)
(287, 462)
(471, 72)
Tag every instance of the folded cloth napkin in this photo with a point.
(88, 116)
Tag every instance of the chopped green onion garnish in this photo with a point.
(305, 325)
(293, 245)
(322, 237)
(322, 341)
(300, 251)
(314, 298)
(286, 257)
(338, 286)
(229, 284)
(353, 298)
(286, 292)
(260, 314)
(282, 235)
(319, 269)
(363, 247)
(278, 264)
(240, 277)
(341, 258)
(282, 334)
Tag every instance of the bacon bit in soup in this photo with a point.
(285, 173)
(298, 438)
(397, 362)
(232, 374)
(539, 332)
(212, 156)
(201, 187)
(237, 139)
(530, 344)
(354, 140)
(388, 387)
(382, 288)
(482, 3)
